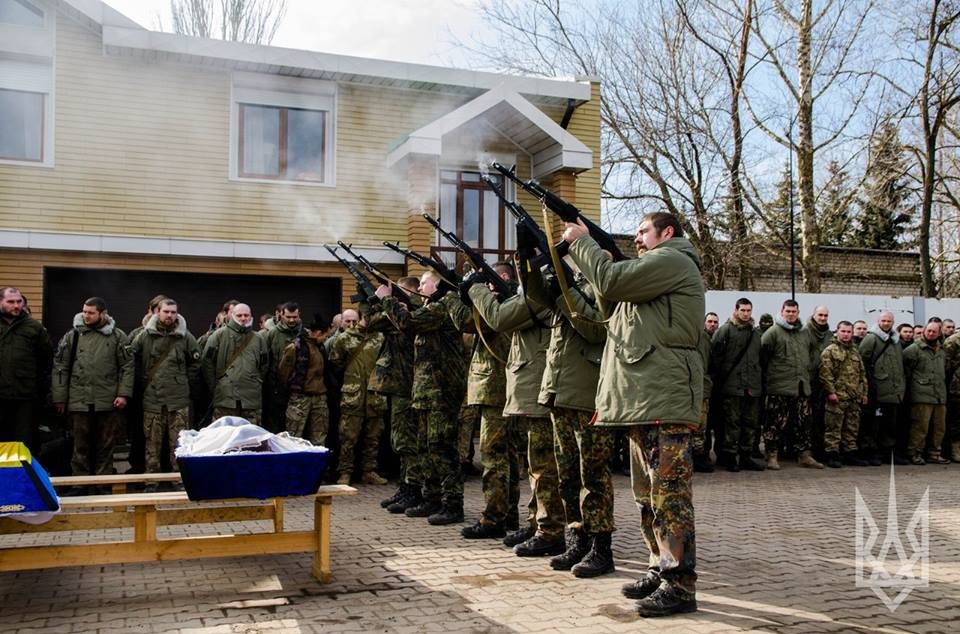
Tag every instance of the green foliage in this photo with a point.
(884, 212)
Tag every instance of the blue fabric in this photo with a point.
(252, 475)
(24, 485)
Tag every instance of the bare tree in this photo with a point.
(250, 21)
(812, 59)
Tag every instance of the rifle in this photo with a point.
(382, 277)
(479, 263)
(366, 291)
(566, 211)
(446, 275)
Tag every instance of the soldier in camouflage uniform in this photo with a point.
(354, 354)
(569, 388)
(284, 332)
(525, 366)
(951, 350)
(301, 372)
(439, 385)
(651, 381)
(844, 382)
(167, 363)
(467, 419)
(700, 439)
(393, 377)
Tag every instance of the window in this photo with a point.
(282, 129)
(21, 13)
(21, 125)
(470, 209)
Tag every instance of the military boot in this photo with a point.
(410, 498)
(807, 461)
(518, 536)
(401, 490)
(483, 531)
(424, 509)
(702, 464)
(667, 600)
(446, 515)
(372, 477)
(955, 451)
(642, 587)
(512, 522)
(833, 460)
(540, 546)
(344, 478)
(729, 462)
(772, 463)
(850, 458)
(747, 463)
(577, 549)
(936, 458)
(599, 561)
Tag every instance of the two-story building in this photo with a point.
(134, 162)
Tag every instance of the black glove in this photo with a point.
(552, 283)
(526, 241)
(468, 280)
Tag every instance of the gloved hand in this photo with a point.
(552, 282)
(526, 242)
(468, 281)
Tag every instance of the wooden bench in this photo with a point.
(118, 483)
(140, 511)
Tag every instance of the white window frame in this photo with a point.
(27, 64)
(284, 92)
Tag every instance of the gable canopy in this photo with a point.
(509, 115)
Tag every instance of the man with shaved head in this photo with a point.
(883, 360)
(234, 367)
(819, 335)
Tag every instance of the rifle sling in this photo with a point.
(236, 353)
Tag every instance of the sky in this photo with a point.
(419, 31)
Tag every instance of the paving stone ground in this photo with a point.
(776, 553)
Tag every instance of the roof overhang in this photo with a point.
(511, 117)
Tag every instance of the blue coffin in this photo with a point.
(253, 475)
(24, 485)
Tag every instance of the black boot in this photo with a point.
(832, 460)
(483, 531)
(667, 600)
(599, 561)
(729, 462)
(642, 587)
(411, 499)
(424, 509)
(747, 463)
(512, 522)
(577, 549)
(518, 536)
(399, 493)
(702, 464)
(852, 459)
(446, 515)
(540, 546)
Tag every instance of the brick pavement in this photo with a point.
(776, 554)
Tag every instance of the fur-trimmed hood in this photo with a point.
(106, 329)
(180, 330)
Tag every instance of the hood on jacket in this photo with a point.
(682, 245)
(233, 325)
(736, 323)
(106, 329)
(820, 332)
(180, 329)
(778, 320)
(885, 335)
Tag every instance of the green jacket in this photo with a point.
(26, 353)
(102, 367)
(703, 347)
(842, 372)
(651, 370)
(486, 376)
(393, 371)
(818, 338)
(883, 359)
(527, 359)
(439, 368)
(167, 365)
(785, 358)
(951, 351)
(925, 370)
(354, 354)
(277, 339)
(242, 381)
(575, 349)
(735, 340)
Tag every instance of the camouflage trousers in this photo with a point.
(740, 423)
(583, 467)
(95, 434)
(787, 414)
(926, 418)
(404, 437)
(363, 427)
(467, 422)
(544, 481)
(159, 425)
(841, 423)
(661, 473)
(440, 457)
(307, 417)
(499, 439)
(698, 438)
(252, 415)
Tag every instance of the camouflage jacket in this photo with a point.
(487, 379)
(842, 372)
(393, 371)
(439, 369)
(951, 349)
(354, 354)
